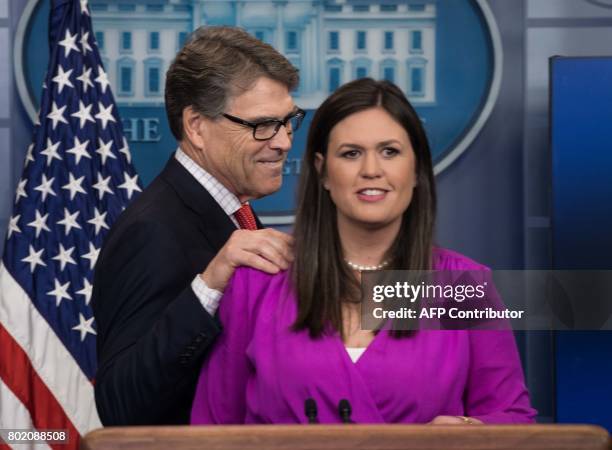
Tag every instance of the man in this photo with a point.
(160, 275)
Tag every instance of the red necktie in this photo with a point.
(245, 217)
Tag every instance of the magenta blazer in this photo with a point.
(259, 371)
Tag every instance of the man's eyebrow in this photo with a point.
(268, 118)
(263, 119)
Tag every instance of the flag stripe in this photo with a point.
(51, 361)
(12, 409)
(31, 391)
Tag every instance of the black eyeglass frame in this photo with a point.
(297, 113)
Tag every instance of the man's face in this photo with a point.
(248, 167)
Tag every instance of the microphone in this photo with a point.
(310, 409)
(344, 409)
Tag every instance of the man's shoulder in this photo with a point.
(157, 199)
(169, 199)
(157, 204)
(157, 213)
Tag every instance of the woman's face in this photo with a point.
(370, 169)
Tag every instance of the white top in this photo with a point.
(355, 352)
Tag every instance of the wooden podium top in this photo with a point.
(351, 437)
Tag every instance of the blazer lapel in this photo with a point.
(216, 225)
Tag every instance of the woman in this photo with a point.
(366, 200)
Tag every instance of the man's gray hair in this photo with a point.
(218, 63)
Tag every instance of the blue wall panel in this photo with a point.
(581, 140)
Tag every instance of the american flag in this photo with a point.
(77, 178)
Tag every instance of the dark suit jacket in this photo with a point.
(153, 332)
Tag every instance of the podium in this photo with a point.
(351, 437)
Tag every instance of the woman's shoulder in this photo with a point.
(257, 278)
(445, 259)
(253, 287)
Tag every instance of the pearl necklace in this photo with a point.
(361, 268)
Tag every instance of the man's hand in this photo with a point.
(268, 250)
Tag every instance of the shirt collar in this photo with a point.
(226, 199)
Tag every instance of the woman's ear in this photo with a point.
(194, 127)
(319, 163)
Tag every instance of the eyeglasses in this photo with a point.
(267, 129)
